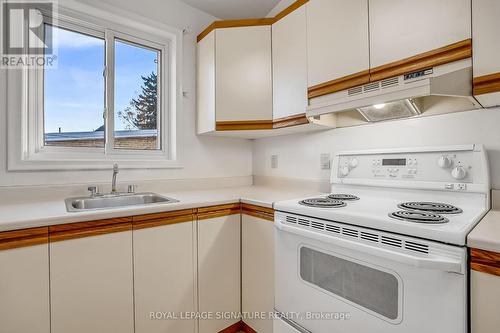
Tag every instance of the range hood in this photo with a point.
(448, 85)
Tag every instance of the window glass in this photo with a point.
(74, 91)
(137, 116)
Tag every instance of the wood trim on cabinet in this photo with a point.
(41, 235)
(251, 22)
(485, 261)
(234, 24)
(486, 84)
(244, 125)
(299, 119)
(164, 218)
(443, 55)
(294, 6)
(258, 211)
(209, 212)
(91, 228)
(255, 125)
(23, 238)
(339, 84)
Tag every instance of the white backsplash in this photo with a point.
(300, 154)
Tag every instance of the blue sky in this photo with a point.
(74, 91)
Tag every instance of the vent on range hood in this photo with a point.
(401, 96)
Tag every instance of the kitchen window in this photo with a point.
(112, 96)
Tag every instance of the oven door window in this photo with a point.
(372, 289)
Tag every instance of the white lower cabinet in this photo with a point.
(164, 278)
(91, 284)
(219, 272)
(485, 302)
(24, 290)
(257, 272)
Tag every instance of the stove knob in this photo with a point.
(459, 172)
(344, 171)
(353, 163)
(444, 162)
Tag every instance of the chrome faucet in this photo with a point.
(113, 181)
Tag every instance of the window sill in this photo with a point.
(92, 164)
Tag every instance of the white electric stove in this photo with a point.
(385, 250)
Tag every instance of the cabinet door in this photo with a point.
(219, 271)
(205, 84)
(486, 50)
(290, 65)
(243, 74)
(485, 302)
(257, 237)
(24, 290)
(91, 284)
(337, 39)
(164, 277)
(403, 28)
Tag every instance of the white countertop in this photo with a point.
(486, 235)
(44, 213)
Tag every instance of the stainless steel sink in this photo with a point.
(115, 200)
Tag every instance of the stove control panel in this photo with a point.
(454, 168)
(394, 167)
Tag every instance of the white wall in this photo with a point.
(202, 157)
(299, 155)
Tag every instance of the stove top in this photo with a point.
(374, 208)
(343, 197)
(433, 207)
(418, 217)
(322, 203)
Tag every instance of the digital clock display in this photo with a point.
(394, 161)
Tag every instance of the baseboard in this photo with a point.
(238, 327)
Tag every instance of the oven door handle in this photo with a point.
(441, 263)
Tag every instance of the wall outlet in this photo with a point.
(274, 161)
(324, 162)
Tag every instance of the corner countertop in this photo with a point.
(45, 213)
(486, 235)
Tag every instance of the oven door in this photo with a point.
(339, 278)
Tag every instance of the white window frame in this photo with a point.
(25, 137)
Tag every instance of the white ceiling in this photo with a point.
(234, 9)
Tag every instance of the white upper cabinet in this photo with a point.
(234, 77)
(486, 50)
(205, 84)
(337, 39)
(290, 65)
(243, 83)
(404, 28)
